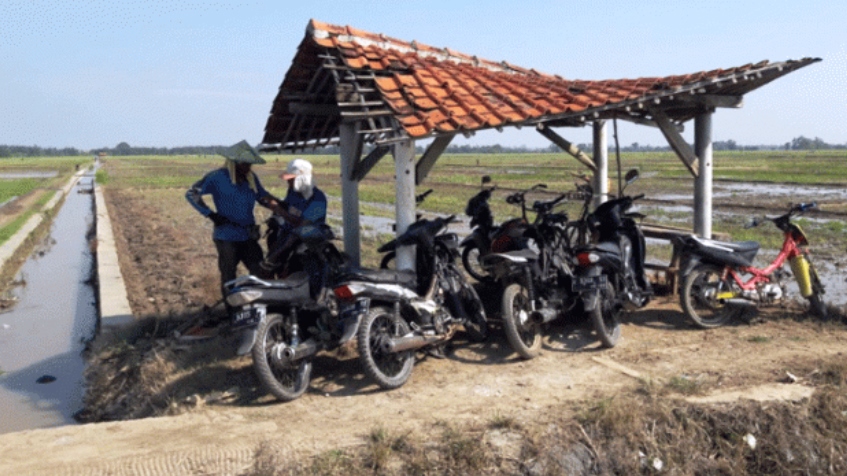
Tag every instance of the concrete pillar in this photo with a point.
(703, 182)
(404, 203)
(350, 151)
(601, 161)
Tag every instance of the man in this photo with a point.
(235, 189)
(304, 207)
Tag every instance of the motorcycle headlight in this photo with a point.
(240, 298)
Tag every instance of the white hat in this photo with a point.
(301, 171)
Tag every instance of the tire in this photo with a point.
(816, 303)
(285, 383)
(477, 325)
(389, 370)
(698, 300)
(470, 260)
(606, 317)
(523, 334)
(389, 261)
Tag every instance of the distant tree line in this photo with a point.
(124, 149)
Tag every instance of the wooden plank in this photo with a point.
(307, 109)
(568, 147)
(714, 100)
(620, 368)
(676, 141)
(432, 153)
(362, 167)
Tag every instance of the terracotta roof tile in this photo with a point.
(432, 90)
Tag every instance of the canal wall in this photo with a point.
(115, 313)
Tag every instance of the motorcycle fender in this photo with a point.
(474, 237)
(248, 340)
(591, 299)
(687, 263)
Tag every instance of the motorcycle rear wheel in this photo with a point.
(470, 260)
(523, 333)
(389, 370)
(284, 382)
(698, 297)
(606, 317)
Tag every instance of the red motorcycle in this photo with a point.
(714, 291)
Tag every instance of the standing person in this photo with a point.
(304, 207)
(235, 190)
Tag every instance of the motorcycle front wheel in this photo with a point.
(606, 317)
(284, 381)
(389, 369)
(470, 260)
(816, 302)
(523, 333)
(699, 297)
(476, 326)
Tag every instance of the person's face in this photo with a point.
(290, 183)
(242, 168)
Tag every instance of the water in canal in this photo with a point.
(43, 335)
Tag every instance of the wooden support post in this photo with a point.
(601, 161)
(351, 149)
(703, 182)
(404, 169)
(432, 153)
(567, 146)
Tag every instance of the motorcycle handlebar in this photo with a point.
(421, 197)
(802, 207)
(638, 197)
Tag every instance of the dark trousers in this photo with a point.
(230, 253)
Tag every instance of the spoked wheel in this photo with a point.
(523, 333)
(286, 381)
(816, 302)
(701, 296)
(477, 325)
(389, 369)
(470, 260)
(606, 317)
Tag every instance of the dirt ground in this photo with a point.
(220, 415)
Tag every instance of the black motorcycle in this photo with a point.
(404, 311)
(610, 275)
(536, 280)
(486, 238)
(286, 321)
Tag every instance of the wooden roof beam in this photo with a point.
(713, 100)
(432, 153)
(676, 141)
(363, 166)
(568, 147)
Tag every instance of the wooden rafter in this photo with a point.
(567, 146)
(676, 141)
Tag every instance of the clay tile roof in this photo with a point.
(396, 90)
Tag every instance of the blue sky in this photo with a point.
(90, 74)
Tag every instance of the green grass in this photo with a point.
(12, 227)
(17, 187)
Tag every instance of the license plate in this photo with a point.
(588, 283)
(247, 316)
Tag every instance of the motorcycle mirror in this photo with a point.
(486, 179)
(753, 223)
(631, 176)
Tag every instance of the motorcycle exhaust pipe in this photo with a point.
(739, 302)
(410, 342)
(305, 349)
(543, 316)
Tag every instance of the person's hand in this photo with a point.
(218, 219)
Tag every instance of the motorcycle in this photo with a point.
(713, 290)
(285, 322)
(610, 276)
(536, 279)
(485, 238)
(404, 311)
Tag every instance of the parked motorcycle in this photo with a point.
(713, 290)
(404, 311)
(536, 279)
(285, 322)
(610, 274)
(486, 238)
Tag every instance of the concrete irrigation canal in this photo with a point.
(42, 337)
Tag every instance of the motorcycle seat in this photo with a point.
(402, 277)
(739, 253)
(520, 256)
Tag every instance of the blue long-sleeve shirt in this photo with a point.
(234, 202)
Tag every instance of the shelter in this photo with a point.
(351, 87)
